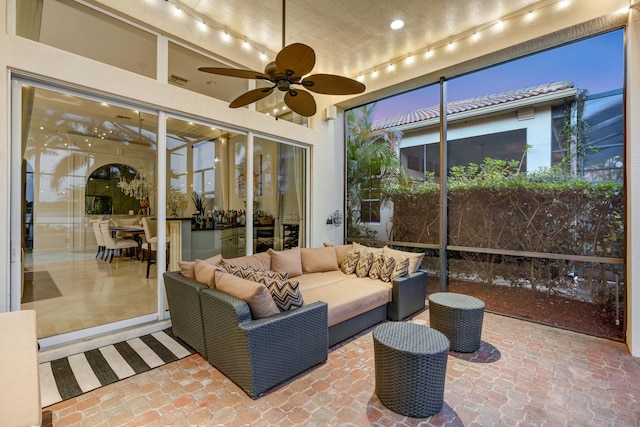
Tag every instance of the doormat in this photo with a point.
(72, 376)
(38, 286)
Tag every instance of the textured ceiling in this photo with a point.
(353, 36)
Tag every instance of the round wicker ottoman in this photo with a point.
(410, 367)
(459, 317)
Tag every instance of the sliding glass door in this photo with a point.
(80, 159)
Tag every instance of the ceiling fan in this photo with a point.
(291, 66)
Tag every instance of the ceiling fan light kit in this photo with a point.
(292, 63)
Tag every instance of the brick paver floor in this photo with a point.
(523, 375)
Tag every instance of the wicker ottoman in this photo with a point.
(459, 317)
(410, 367)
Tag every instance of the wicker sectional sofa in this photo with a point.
(259, 353)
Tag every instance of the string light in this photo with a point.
(472, 36)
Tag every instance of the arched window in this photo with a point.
(103, 196)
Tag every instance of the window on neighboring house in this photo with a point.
(370, 204)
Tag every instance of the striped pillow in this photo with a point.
(254, 274)
(376, 267)
(364, 263)
(350, 261)
(387, 269)
(286, 294)
(401, 268)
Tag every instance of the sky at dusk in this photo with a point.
(595, 64)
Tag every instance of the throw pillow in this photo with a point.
(341, 251)
(376, 267)
(288, 261)
(316, 260)
(364, 263)
(387, 269)
(186, 267)
(204, 273)
(286, 294)
(350, 261)
(256, 295)
(250, 273)
(361, 247)
(260, 261)
(415, 258)
(401, 268)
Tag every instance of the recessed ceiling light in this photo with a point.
(211, 82)
(397, 24)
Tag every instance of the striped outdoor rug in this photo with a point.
(72, 376)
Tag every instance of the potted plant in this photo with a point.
(175, 200)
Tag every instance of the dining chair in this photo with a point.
(112, 245)
(150, 246)
(95, 225)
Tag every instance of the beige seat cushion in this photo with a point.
(288, 261)
(19, 370)
(347, 299)
(313, 280)
(317, 260)
(256, 295)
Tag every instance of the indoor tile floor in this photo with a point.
(524, 374)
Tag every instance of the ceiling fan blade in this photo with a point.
(234, 72)
(297, 57)
(300, 102)
(330, 84)
(251, 96)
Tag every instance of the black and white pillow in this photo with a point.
(376, 268)
(364, 263)
(401, 268)
(286, 294)
(387, 269)
(350, 261)
(253, 274)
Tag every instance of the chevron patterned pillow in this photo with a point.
(387, 268)
(401, 268)
(364, 263)
(286, 294)
(254, 274)
(350, 261)
(376, 267)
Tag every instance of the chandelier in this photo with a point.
(139, 187)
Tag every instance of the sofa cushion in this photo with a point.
(260, 261)
(364, 263)
(286, 294)
(256, 295)
(341, 251)
(350, 261)
(415, 258)
(251, 273)
(312, 280)
(204, 272)
(387, 269)
(401, 268)
(288, 261)
(376, 266)
(186, 267)
(315, 260)
(362, 247)
(347, 300)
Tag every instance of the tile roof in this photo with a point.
(463, 105)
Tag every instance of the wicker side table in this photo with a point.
(459, 317)
(410, 368)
